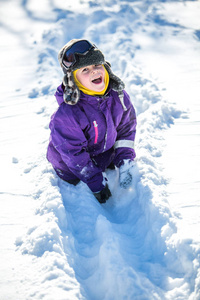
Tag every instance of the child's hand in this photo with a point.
(103, 195)
(125, 176)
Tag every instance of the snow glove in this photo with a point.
(125, 176)
(103, 195)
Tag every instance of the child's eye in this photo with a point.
(98, 66)
(85, 70)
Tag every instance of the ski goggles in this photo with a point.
(80, 47)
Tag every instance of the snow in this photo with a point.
(56, 240)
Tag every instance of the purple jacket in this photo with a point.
(86, 137)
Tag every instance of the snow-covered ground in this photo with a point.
(56, 241)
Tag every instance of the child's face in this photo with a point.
(92, 77)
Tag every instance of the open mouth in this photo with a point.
(97, 80)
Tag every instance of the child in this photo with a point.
(95, 124)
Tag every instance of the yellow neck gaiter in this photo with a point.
(91, 92)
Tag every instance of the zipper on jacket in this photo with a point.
(106, 135)
(96, 131)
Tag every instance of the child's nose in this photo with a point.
(94, 70)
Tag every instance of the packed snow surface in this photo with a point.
(56, 241)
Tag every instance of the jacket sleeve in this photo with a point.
(126, 131)
(69, 140)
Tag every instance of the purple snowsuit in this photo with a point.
(86, 137)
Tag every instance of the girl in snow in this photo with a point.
(95, 124)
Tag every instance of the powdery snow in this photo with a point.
(57, 242)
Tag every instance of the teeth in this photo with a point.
(96, 79)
